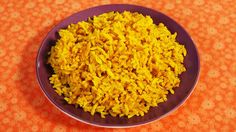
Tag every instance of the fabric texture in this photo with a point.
(211, 24)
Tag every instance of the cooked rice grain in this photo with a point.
(116, 63)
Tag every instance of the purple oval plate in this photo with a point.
(188, 78)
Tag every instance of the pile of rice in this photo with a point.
(116, 63)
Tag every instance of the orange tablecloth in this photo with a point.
(24, 24)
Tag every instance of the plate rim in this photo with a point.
(116, 126)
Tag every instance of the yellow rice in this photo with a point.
(116, 63)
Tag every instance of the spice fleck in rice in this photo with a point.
(116, 63)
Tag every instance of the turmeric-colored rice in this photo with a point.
(117, 64)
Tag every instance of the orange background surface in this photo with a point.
(24, 24)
